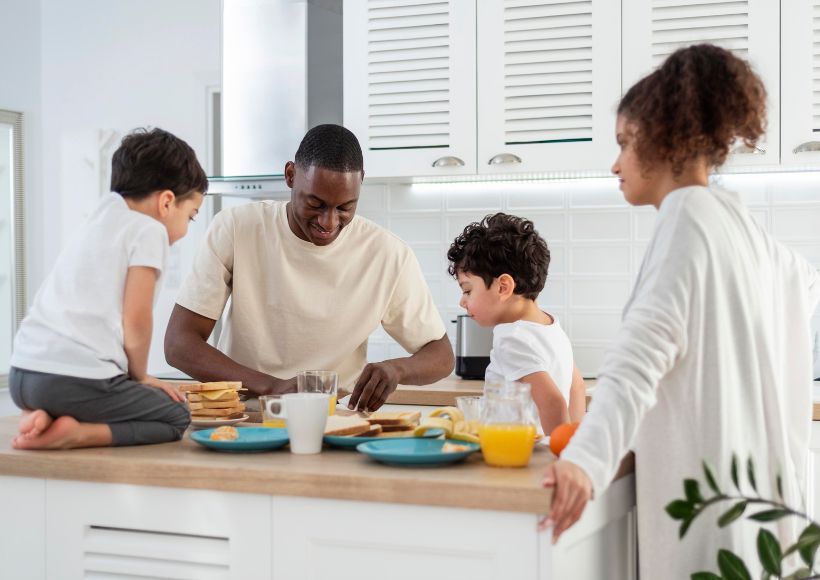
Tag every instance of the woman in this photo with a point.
(713, 356)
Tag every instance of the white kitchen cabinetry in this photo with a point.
(409, 85)
(496, 86)
(813, 472)
(653, 29)
(99, 530)
(549, 79)
(800, 82)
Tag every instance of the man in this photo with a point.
(309, 282)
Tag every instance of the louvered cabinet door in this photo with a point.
(654, 29)
(409, 85)
(548, 82)
(800, 78)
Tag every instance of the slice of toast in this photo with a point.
(215, 386)
(220, 412)
(220, 404)
(397, 428)
(237, 415)
(229, 395)
(395, 417)
(374, 431)
(408, 433)
(345, 425)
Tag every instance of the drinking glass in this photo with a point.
(507, 429)
(273, 411)
(319, 382)
(470, 407)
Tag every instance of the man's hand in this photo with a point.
(375, 384)
(167, 388)
(573, 489)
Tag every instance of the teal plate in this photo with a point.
(415, 451)
(349, 442)
(250, 439)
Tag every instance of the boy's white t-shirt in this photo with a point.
(523, 347)
(296, 306)
(75, 326)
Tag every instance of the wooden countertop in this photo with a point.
(440, 394)
(339, 474)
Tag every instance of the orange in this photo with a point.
(561, 435)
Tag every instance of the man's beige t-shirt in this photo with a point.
(297, 306)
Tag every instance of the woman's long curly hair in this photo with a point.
(697, 104)
(502, 244)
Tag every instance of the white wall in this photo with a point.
(596, 240)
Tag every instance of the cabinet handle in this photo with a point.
(745, 150)
(807, 146)
(448, 161)
(504, 158)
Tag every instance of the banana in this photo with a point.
(464, 436)
(453, 413)
(435, 423)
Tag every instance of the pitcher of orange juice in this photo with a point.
(507, 428)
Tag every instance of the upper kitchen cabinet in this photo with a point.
(653, 29)
(800, 78)
(549, 79)
(409, 85)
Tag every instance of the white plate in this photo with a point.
(202, 424)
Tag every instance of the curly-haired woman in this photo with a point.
(713, 356)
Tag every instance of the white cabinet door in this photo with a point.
(549, 79)
(653, 29)
(409, 85)
(23, 528)
(800, 78)
(315, 539)
(112, 530)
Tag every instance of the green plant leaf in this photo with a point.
(692, 490)
(731, 567)
(808, 542)
(680, 509)
(732, 514)
(734, 472)
(710, 478)
(685, 526)
(779, 486)
(750, 472)
(769, 552)
(798, 574)
(705, 576)
(769, 515)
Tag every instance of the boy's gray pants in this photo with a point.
(137, 414)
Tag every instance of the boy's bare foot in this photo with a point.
(33, 423)
(67, 433)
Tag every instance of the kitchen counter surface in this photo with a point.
(338, 474)
(439, 394)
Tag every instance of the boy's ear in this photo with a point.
(506, 286)
(165, 199)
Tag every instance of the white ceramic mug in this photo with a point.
(307, 417)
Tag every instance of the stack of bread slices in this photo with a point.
(379, 424)
(214, 401)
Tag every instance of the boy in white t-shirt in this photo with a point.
(501, 265)
(78, 369)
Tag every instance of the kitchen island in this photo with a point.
(180, 511)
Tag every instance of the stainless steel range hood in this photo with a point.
(281, 75)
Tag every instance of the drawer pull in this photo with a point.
(503, 159)
(448, 161)
(808, 146)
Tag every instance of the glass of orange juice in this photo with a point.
(506, 430)
(273, 411)
(319, 382)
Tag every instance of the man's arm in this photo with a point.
(187, 348)
(430, 363)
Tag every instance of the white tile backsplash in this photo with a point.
(596, 240)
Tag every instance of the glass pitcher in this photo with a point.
(507, 429)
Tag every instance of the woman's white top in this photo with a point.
(713, 358)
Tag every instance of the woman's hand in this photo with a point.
(167, 388)
(573, 489)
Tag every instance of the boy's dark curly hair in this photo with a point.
(696, 104)
(502, 244)
(155, 160)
